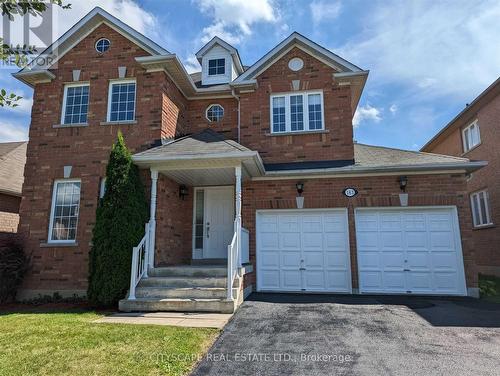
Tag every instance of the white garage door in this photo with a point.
(303, 250)
(409, 250)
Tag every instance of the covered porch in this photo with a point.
(195, 207)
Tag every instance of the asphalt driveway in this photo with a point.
(278, 334)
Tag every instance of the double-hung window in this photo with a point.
(75, 104)
(65, 210)
(480, 205)
(121, 101)
(471, 136)
(216, 67)
(297, 112)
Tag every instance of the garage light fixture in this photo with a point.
(300, 188)
(183, 192)
(403, 182)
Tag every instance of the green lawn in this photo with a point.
(67, 342)
(489, 287)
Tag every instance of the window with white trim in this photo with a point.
(471, 136)
(297, 112)
(214, 113)
(75, 104)
(121, 101)
(480, 205)
(64, 211)
(216, 67)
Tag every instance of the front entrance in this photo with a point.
(213, 226)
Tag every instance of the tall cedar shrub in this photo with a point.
(119, 227)
(14, 264)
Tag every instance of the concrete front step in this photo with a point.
(183, 292)
(183, 282)
(177, 305)
(189, 271)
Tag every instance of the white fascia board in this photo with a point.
(188, 157)
(351, 74)
(294, 38)
(109, 20)
(24, 76)
(465, 166)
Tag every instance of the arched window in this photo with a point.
(102, 45)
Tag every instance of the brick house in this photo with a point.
(12, 161)
(473, 134)
(254, 180)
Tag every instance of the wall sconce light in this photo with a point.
(403, 182)
(300, 188)
(183, 191)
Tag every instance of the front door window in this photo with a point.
(199, 219)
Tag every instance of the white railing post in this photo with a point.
(230, 271)
(147, 249)
(238, 214)
(133, 274)
(152, 219)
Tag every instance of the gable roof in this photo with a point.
(79, 31)
(232, 50)
(482, 99)
(300, 41)
(12, 161)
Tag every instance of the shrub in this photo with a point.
(13, 266)
(119, 227)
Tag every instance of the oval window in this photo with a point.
(296, 64)
(102, 45)
(215, 112)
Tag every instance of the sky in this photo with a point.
(427, 59)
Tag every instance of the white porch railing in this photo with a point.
(232, 265)
(140, 262)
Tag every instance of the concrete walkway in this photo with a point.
(191, 319)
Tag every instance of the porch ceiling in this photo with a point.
(202, 177)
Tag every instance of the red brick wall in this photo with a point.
(486, 240)
(173, 224)
(335, 144)
(380, 191)
(86, 149)
(9, 212)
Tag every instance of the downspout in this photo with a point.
(238, 99)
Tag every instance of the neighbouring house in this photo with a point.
(12, 161)
(254, 180)
(474, 133)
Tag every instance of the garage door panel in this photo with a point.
(269, 279)
(394, 280)
(269, 260)
(337, 260)
(290, 280)
(371, 280)
(418, 250)
(311, 253)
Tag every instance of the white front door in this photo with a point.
(219, 221)
(409, 250)
(303, 250)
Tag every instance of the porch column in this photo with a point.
(237, 229)
(152, 219)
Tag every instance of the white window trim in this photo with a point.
(110, 90)
(97, 41)
(102, 187)
(464, 140)
(65, 97)
(222, 57)
(305, 103)
(212, 105)
(475, 221)
(53, 208)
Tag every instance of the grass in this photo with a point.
(66, 341)
(489, 287)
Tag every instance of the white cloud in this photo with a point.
(12, 132)
(192, 64)
(393, 108)
(233, 19)
(366, 112)
(438, 48)
(127, 11)
(325, 10)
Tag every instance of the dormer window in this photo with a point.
(216, 67)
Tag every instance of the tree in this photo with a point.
(119, 227)
(10, 8)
